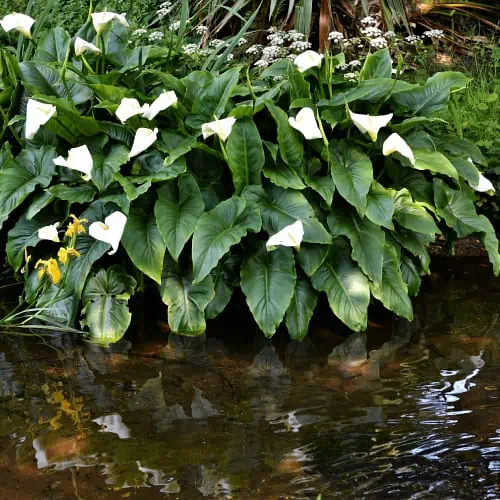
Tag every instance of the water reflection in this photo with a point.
(406, 412)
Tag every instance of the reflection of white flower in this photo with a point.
(18, 22)
(114, 424)
(289, 236)
(161, 103)
(305, 123)
(308, 59)
(395, 143)
(82, 46)
(110, 231)
(144, 137)
(484, 185)
(222, 128)
(37, 114)
(101, 20)
(370, 124)
(79, 159)
(49, 233)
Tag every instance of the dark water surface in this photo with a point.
(405, 411)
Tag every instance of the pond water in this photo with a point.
(408, 410)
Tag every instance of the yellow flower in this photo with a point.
(51, 268)
(65, 253)
(75, 227)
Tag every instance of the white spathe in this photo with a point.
(110, 231)
(396, 144)
(368, 124)
(484, 185)
(128, 107)
(161, 103)
(18, 22)
(79, 159)
(101, 20)
(82, 46)
(49, 233)
(144, 137)
(37, 114)
(305, 123)
(222, 128)
(289, 236)
(307, 60)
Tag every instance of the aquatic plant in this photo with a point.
(187, 176)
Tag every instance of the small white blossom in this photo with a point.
(254, 49)
(163, 12)
(335, 36)
(215, 43)
(277, 38)
(242, 41)
(378, 43)
(165, 5)
(390, 35)
(433, 34)
(372, 32)
(261, 63)
(412, 39)
(351, 77)
(139, 32)
(295, 36)
(190, 48)
(155, 36)
(368, 21)
(175, 26)
(300, 46)
(355, 63)
(201, 29)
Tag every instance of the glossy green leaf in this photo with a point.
(53, 46)
(105, 167)
(380, 205)
(301, 309)
(434, 161)
(416, 244)
(377, 65)
(412, 215)
(225, 276)
(322, 184)
(83, 193)
(311, 257)
(410, 274)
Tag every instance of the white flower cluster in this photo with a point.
(175, 26)
(261, 63)
(434, 34)
(371, 32)
(201, 30)
(242, 41)
(295, 36)
(335, 36)
(368, 21)
(355, 42)
(139, 32)
(300, 46)
(412, 39)
(355, 63)
(190, 49)
(378, 43)
(277, 38)
(254, 49)
(155, 36)
(351, 77)
(390, 35)
(215, 43)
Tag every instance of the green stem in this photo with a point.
(87, 65)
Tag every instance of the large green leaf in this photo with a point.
(412, 214)
(179, 206)
(105, 298)
(25, 234)
(282, 175)
(282, 207)
(53, 46)
(410, 273)
(392, 291)
(290, 145)
(212, 99)
(105, 167)
(466, 169)
(462, 147)
(301, 309)
(322, 184)
(21, 175)
(345, 285)
(142, 238)
(366, 238)
(82, 193)
(431, 97)
(434, 161)
(311, 257)
(268, 282)
(57, 305)
(380, 205)
(416, 244)
(186, 301)
(245, 154)
(377, 65)
(352, 173)
(218, 230)
(299, 87)
(225, 277)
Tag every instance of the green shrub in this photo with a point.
(201, 201)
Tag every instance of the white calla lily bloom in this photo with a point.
(289, 236)
(144, 138)
(79, 159)
(49, 233)
(396, 144)
(307, 60)
(161, 103)
(305, 123)
(128, 107)
(100, 20)
(82, 46)
(18, 22)
(222, 128)
(368, 124)
(37, 114)
(110, 231)
(484, 185)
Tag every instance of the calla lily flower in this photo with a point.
(144, 137)
(305, 123)
(82, 46)
(100, 20)
(49, 233)
(289, 236)
(396, 144)
(307, 60)
(79, 159)
(37, 114)
(110, 231)
(370, 124)
(161, 103)
(222, 128)
(18, 22)
(128, 107)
